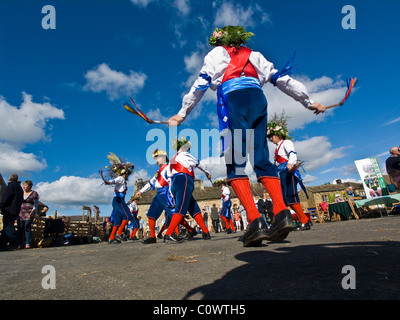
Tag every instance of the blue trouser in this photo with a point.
(289, 187)
(134, 222)
(25, 230)
(246, 109)
(158, 205)
(182, 189)
(226, 209)
(120, 209)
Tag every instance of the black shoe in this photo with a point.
(305, 226)
(206, 236)
(133, 238)
(173, 239)
(281, 225)
(149, 240)
(114, 241)
(228, 230)
(119, 238)
(256, 233)
(191, 234)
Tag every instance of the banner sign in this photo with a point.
(372, 178)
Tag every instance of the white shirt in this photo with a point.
(215, 64)
(133, 207)
(153, 183)
(226, 194)
(188, 161)
(119, 184)
(286, 150)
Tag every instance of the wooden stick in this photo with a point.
(334, 105)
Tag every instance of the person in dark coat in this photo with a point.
(10, 205)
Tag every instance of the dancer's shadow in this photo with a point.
(310, 272)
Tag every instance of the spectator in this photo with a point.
(205, 216)
(243, 214)
(215, 218)
(29, 208)
(393, 165)
(337, 198)
(10, 206)
(236, 217)
(350, 192)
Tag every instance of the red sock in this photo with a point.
(226, 222)
(232, 225)
(242, 189)
(273, 186)
(113, 232)
(122, 227)
(299, 210)
(133, 233)
(200, 221)
(175, 221)
(152, 227)
(186, 225)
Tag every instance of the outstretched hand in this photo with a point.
(317, 108)
(175, 120)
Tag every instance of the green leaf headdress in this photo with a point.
(230, 36)
(278, 126)
(182, 142)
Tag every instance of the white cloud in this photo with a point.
(317, 152)
(23, 125)
(13, 160)
(141, 3)
(114, 83)
(392, 121)
(230, 14)
(72, 191)
(323, 90)
(183, 6)
(26, 123)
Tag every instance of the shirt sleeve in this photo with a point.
(290, 151)
(146, 187)
(211, 74)
(293, 88)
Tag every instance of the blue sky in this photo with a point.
(61, 90)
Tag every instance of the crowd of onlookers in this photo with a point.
(19, 203)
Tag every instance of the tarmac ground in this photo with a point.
(348, 260)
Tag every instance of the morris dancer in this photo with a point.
(285, 161)
(225, 212)
(134, 223)
(121, 212)
(181, 172)
(239, 74)
(163, 200)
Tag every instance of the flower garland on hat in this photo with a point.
(119, 166)
(182, 142)
(157, 153)
(219, 182)
(230, 36)
(278, 126)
